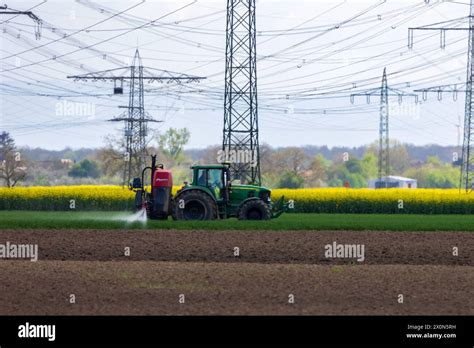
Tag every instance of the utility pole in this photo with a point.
(384, 126)
(136, 119)
(467, 165)
(5, 10)
(240, 134)
(384, 136)
(136, 122)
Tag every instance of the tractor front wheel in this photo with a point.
(194, 205)
(255, 210)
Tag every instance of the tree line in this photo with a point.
(433, 166)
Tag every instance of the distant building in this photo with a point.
(394, 182)
(67, 162)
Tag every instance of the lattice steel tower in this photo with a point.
(136, 122)
(467, 166)
(384, 136)
(240, 99)
(136, 119)
(38, 22)
(467, 169)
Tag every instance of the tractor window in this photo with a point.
(201, 177)
(215, 182)
(215, 178)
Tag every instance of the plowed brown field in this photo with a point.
(272, 265)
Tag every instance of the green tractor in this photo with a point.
(209, 196)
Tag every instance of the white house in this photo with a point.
(394, 182)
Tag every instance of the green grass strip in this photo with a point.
(358, 222)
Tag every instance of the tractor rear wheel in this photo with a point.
(194, 205)
(255, 210)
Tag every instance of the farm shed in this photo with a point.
(394, 182)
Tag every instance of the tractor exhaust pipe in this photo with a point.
(153, 170)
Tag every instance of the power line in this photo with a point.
(135, 118)
(38, 22)
(384, 138)
(102, 41)
(467, 165)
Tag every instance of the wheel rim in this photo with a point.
(254, 214)
(194, 210)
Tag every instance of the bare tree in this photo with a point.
(110, 157)
(291, 160)
(210, 155)
(12, 167)
(317, 176)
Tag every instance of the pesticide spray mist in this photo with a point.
(139, 216)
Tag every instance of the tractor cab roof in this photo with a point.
(211, 166)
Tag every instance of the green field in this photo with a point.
(359, 222)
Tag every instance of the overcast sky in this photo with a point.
(312, 55)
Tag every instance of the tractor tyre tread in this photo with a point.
(264, 208)
(193, 195)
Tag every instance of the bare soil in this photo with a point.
(272, 265)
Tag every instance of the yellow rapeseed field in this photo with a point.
(343, 200)
(320, 200)
(66, 198)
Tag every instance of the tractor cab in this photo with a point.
(214, 178)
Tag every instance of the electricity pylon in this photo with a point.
(467, 166)
(136, 119)
(384, 126)
(38, 22)
(240, 134)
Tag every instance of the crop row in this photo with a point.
(324, 200)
